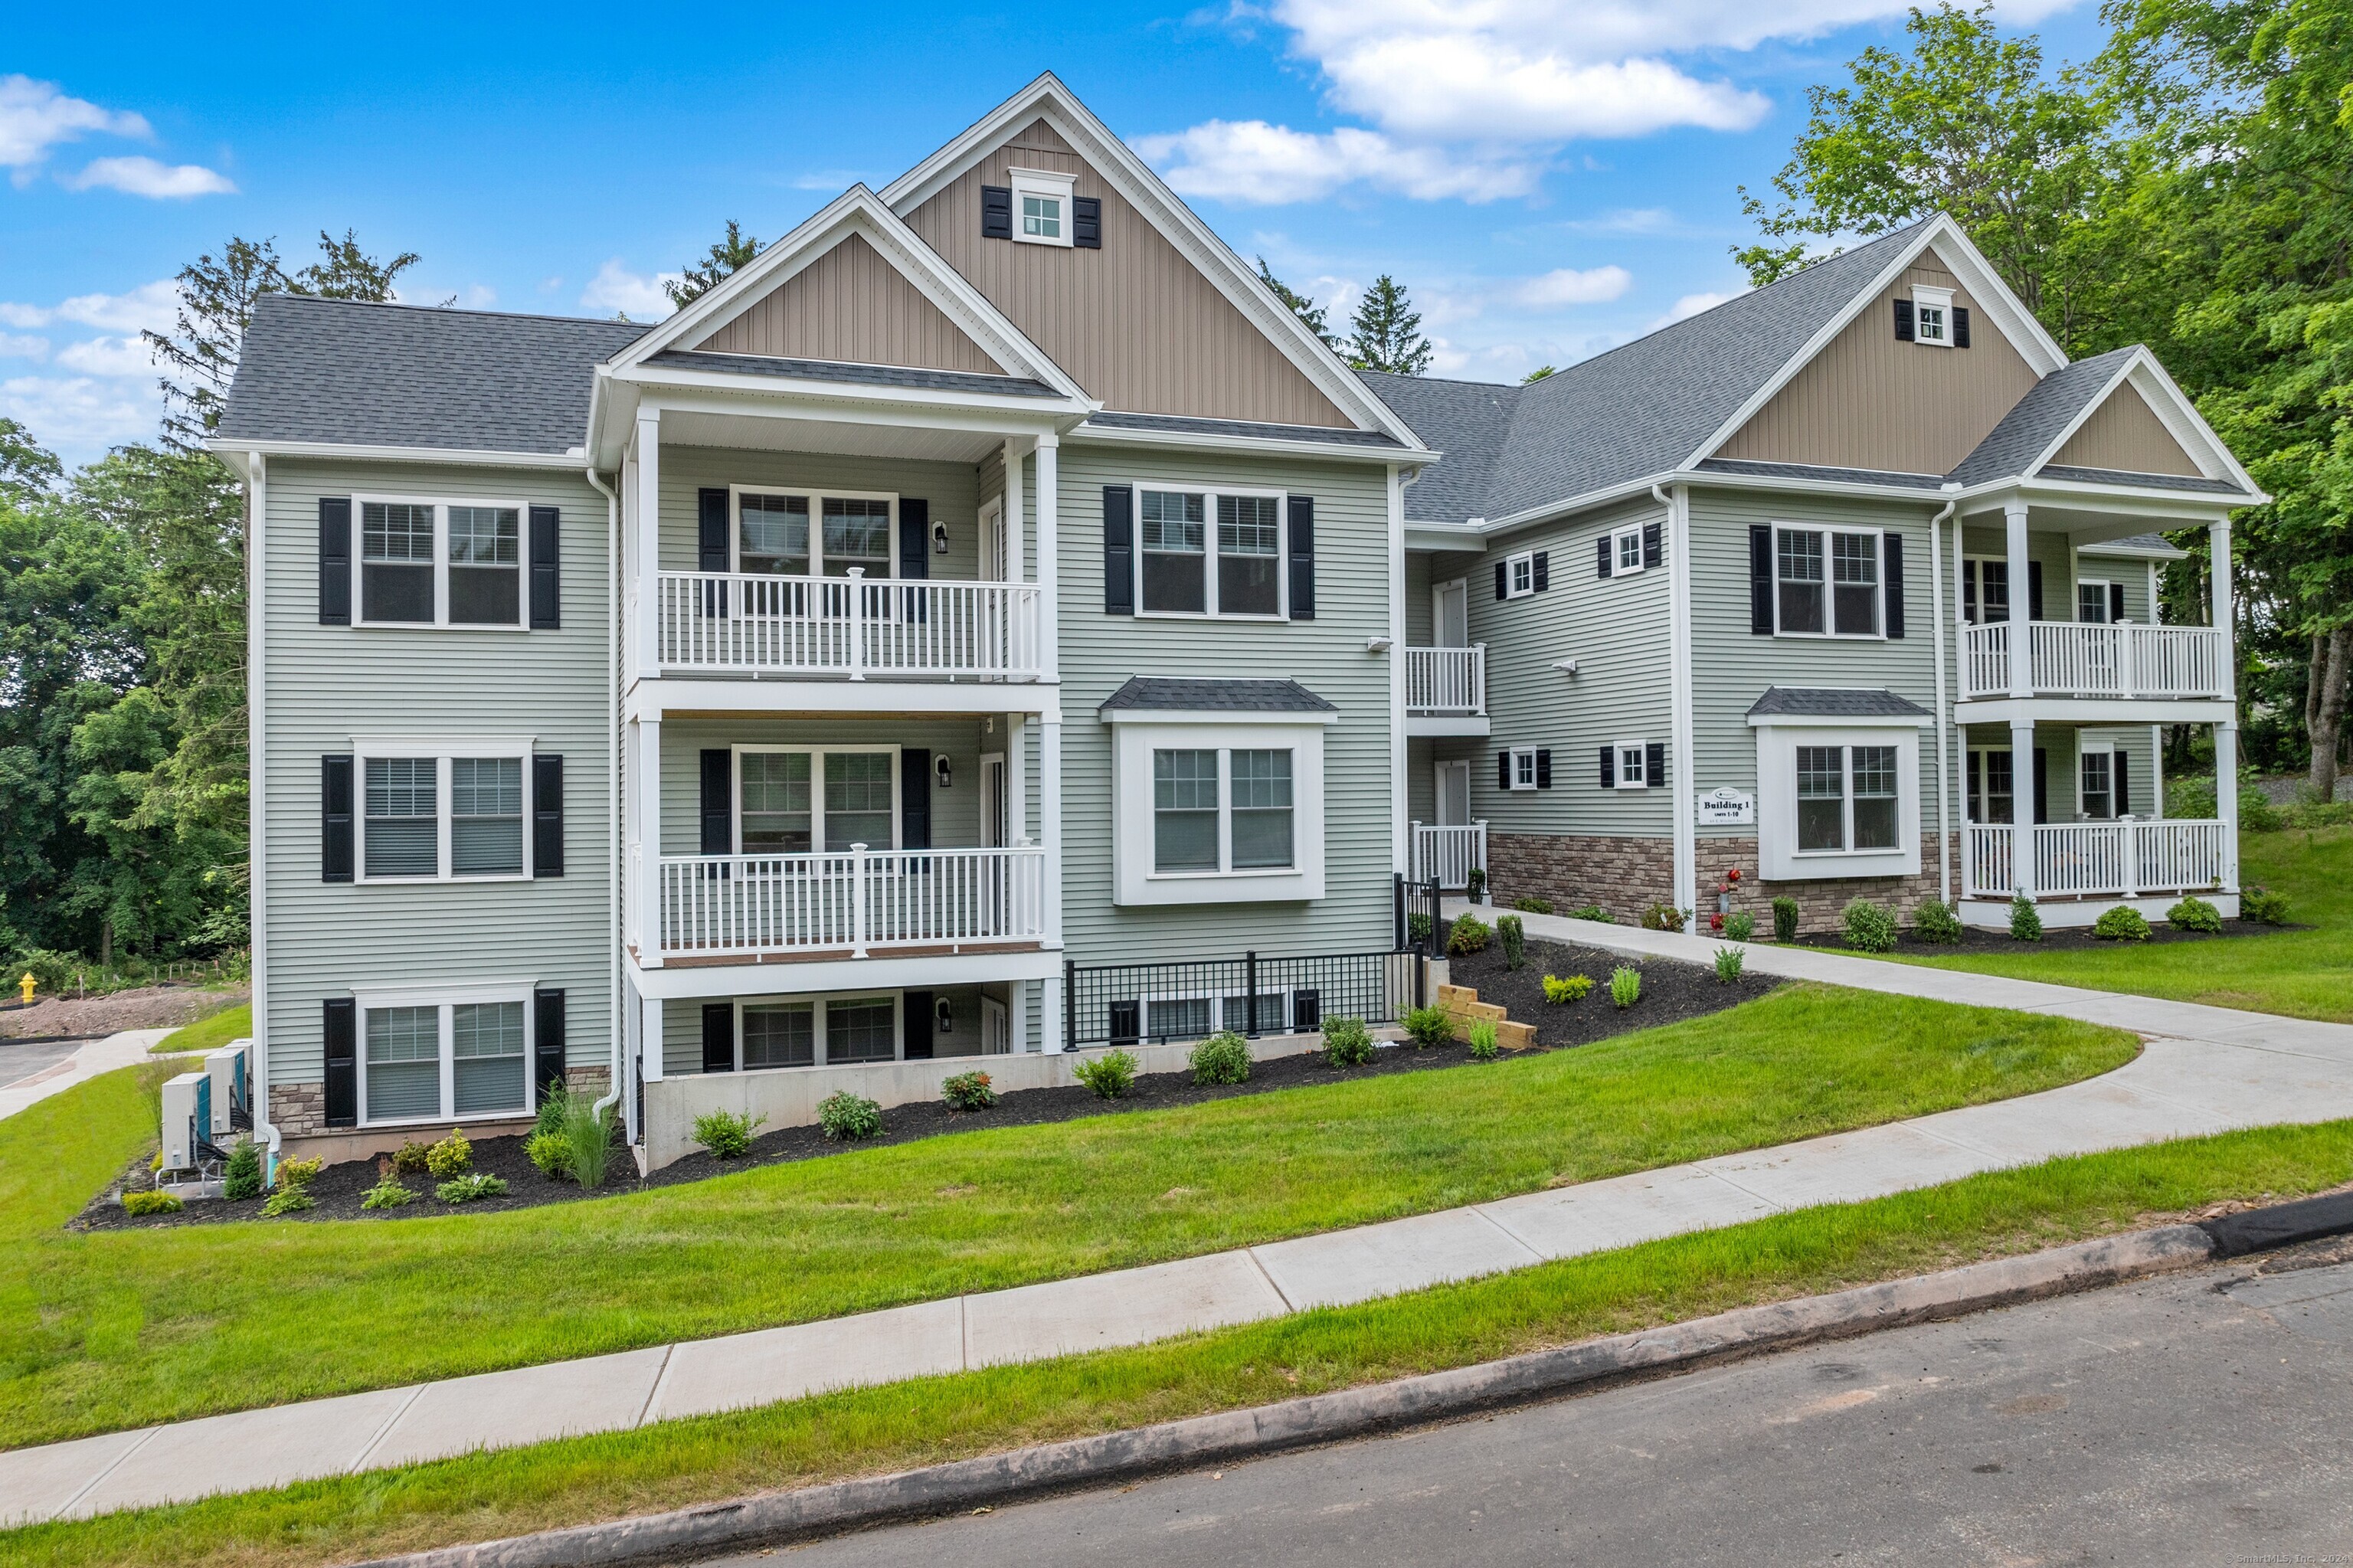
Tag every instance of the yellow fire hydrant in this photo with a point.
(26, 985)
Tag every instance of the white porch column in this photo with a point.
(2218, 537)
(646, 850)
(2226, 799)
(2022, 634)
(1400, 857)
(2021, 804)
(1049, 565)
(1050, 822)
(1016, 524)
(647, 565)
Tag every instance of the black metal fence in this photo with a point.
(1189, 999)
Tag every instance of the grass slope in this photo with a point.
(2301, 974)
(873, 1431)
(208, 1033)
(108, 1331)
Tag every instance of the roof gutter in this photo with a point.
(613, 790)
(1936, 625)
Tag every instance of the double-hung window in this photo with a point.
(1223, 810)
(1991, 800)
(397, 562)
(1184, 800)
(464, 1052)
(1984, 590)
(1847, 799)
(425, 563)
(771, 534)
(1261, 823)
(485, 566)
(1827, 582)
(486, 816)
(815, 533)
(814, 1032)
(1210, 552)
(442, 812)
(403, 820)
(2096, 772)
(1217, 809)
(1250, 547)
(1174, 555)
(794, 800)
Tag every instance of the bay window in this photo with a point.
(1839, 800)
(1846, 799)
(1209, 811)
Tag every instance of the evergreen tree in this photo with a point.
(1299, 305)
(1539, 373)
(720, 262)
(1387, 331)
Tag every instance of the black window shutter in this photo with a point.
(546, 568)
(915, 1024)
(1892, 545)
(718, 801)
(1303, 557)
(2041, 786)
(1502, 770)
(1609, 767)
(997, 212)
(1086, 222)
(546, 1043)
(335, 560)
(1961, 326)
(710, 509)
(2033, 590)
(1119, 550)
(546, 815)
(1654, 765)
(1542, 571)
(1903, 321)
(2116, 603)
(1502, 588)
(914, 799)
(341, 1058)
(718, 1037)
(1543, 766)
(1651, 553)
(2122, 772)
(1601, 551)
(336, 828)
(914, 541)
(1760, 579)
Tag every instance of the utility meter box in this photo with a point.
(230, 1068)
(188, 1117)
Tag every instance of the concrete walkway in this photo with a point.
(80, 1065)
(2205, 1070)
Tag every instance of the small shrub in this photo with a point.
(2264, 906)
(451, 1158)
(1346, 1042)
(144, 1203)
(390, 1194)
(287, 1201)
(1625, 986)
(1417, 931)
(846, 1117)
(1429, 1026)
(552, 1152)
(1110, 1075)
(1468, 935)
(1223, 1058)
(468, 1188)
(727, 1133)
(1728, 965)
(241, 1178)
(1594, 912)
(1559, 990)
(299, 1172)
(1937, 921)
(2122, 924)
(1515, 940)
(589, 1132)
(1475, 884)
(551, 1109)
(2025, 922)
(2194, 914)
(1483, 1040)
(1663, 917)
(1529, 904)
(410, 1158)
(968, 1092)
(1740, 927)
(1867, 927)
(1785, 919)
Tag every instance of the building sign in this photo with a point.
(1727, 808)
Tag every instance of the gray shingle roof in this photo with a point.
(351, 374)
(854, 375)
(2136, 543)
(1833, 702)
(1160, 692)
(2027, 431)
(1467, 420)
(1245, 428)
(1828, 475)
(2145, 481)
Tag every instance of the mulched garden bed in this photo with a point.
(2055, 940)
(1671, 992)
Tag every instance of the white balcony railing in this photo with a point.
(2083, 659)
(1446, 680)
(751, 622)
(1449, 852)
(852, 902)
(2091, 859)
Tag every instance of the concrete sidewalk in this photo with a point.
(2205, 1070)
(86, 1062)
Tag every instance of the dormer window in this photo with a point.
(1932, 317)
(1042, 207)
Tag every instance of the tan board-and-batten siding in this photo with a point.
(851, 304)
(2124, 433)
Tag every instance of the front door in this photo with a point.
(993, 825)
(994, 564)
(1455, 794)
(995, 1028)
(1453, 614)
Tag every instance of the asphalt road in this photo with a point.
(21, 1061)
(2202, 1418)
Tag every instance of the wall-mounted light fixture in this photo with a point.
(939, 538)
(1565, 666)
(940, 766)
(943, 1016)
(1377, 644)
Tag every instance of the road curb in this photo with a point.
(774, 1518)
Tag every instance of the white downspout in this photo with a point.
(613, 786)
(257, 497)
(1944, 779)
(1680, 776)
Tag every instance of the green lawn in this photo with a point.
(2303, 974)
(873, 1431)
(99, 1332)
(205, 1033)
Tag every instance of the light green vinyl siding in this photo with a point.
(323, 684)
(682, 1024)
(952, 488)
(955, 811)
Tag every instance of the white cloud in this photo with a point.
(1691, 305)
(1251, 160)
(35, 116)
(1627, 221)
(147, 178)
(1568, 286)
(148, 305)
(81, 416)
(13, 346)
(616, 288)
(108, 356)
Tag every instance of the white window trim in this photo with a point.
(1437, 592)
(1515, 564)
(444, 998)
(897, 998)
(1134, 880)
(2107, 596)
(1617, 537)
(816, 755)
(2109, 750)
(1209, 496)
(818, 496)
(1060, 187)
(1981, 561)
(1829, 582)
(1778, 739)
(443, 752)
(1970, 773)
(1936, 300)
(1641, 750)
(1518, 753)
(440, 505)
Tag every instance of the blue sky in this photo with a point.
(1549, 179)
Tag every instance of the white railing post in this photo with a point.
(1482, 861)
(857, 900)
(1419, 874)
(1479, 678)
(857, 623)
(2127, 666)
(2131, 858)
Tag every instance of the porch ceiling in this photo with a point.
(769, 432)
